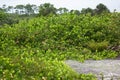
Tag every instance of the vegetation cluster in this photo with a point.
(36, 48)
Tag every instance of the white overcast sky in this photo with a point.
(69, 4)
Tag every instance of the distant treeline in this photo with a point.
(47, 8)
(13, 14)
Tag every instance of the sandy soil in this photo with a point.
(106, 68)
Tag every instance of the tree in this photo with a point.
(6, 18)
(100, 8)
(46, 9)
(10, 9)
(87, 10)
(3, 18)
(16, 11)
(20, 8)
(62, 10)
(35, 9)
(29, 9)
(77, 12)
(4, 7)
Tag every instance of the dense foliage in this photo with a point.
(36, 48)
(7, 18)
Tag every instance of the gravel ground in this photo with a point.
(108, 68)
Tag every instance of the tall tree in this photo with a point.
(10, 9)
(4, 7)
(46, 9)
(20, 8)
(100, 8)
(29, 9)
(35, 8)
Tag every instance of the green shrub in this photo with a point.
(98, 46)
(28, 68)
(36, 48)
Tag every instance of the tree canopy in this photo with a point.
(46, 9)
(100, 8)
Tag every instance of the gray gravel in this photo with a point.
(108, 68)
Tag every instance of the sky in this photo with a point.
(69, 4)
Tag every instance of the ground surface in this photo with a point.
(106, 68)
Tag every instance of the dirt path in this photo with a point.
(108, 68)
